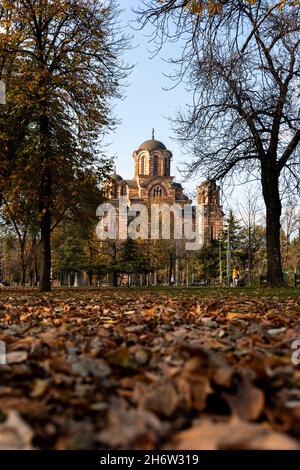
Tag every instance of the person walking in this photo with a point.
(235, 276)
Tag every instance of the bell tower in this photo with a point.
(209, 197)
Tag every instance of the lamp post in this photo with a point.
(177, 270)
(220, 259)
(228, 256)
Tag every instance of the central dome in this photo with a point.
(152, 145)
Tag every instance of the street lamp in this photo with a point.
(220, 237)
(228, 256)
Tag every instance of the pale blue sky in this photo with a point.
(147, 105)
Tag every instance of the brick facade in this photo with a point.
(152, 182)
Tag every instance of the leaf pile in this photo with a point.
(146, 370)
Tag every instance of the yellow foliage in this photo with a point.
(214, 7)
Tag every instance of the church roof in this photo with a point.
(152, 145)
(177, 185)
(116, 177)
(131, 183)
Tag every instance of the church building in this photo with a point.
(152, 177)
(152, 181)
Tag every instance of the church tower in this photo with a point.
(152, 159)
(208, 195)
(152, 178)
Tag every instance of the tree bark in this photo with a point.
(115, 279)
(270, 185)
(36, 271)
(114, 273)
(23, 263)
(44, 206)
(23, 278)
(45, 273)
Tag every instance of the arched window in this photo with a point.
(167, 167)
(155, 166)
(157, 191)
(114, 189)
(123, 190)
(142, 165)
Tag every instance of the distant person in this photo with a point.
(235, 276)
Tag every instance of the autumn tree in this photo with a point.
(252, 237)
(243, 67)
(290, 226)
(9, 257)
(73, 240)
(200, 7)
(209, 261)
(61, 64)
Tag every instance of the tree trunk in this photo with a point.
(44, 207)
(24, 269)
(23, 265)
(36, 272)
(45, 273)
(270, 184)
(171, 268)
(115, 279)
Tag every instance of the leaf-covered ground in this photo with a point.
(138, 369)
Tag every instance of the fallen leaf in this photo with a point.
(15, 434)
(160, 398)
(231, 435)
(39, 388)
(16, 357)
(122, 357)
(276, 331)
(248, 402)
(131, 429)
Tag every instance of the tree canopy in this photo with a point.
(243, 68)
(61, 62)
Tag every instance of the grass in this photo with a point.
(289, 292)
(237, 291)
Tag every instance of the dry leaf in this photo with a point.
(127, 429)
(16, 357)
(15, 434)
(232, 435)
(248, 402)
(160, 398)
